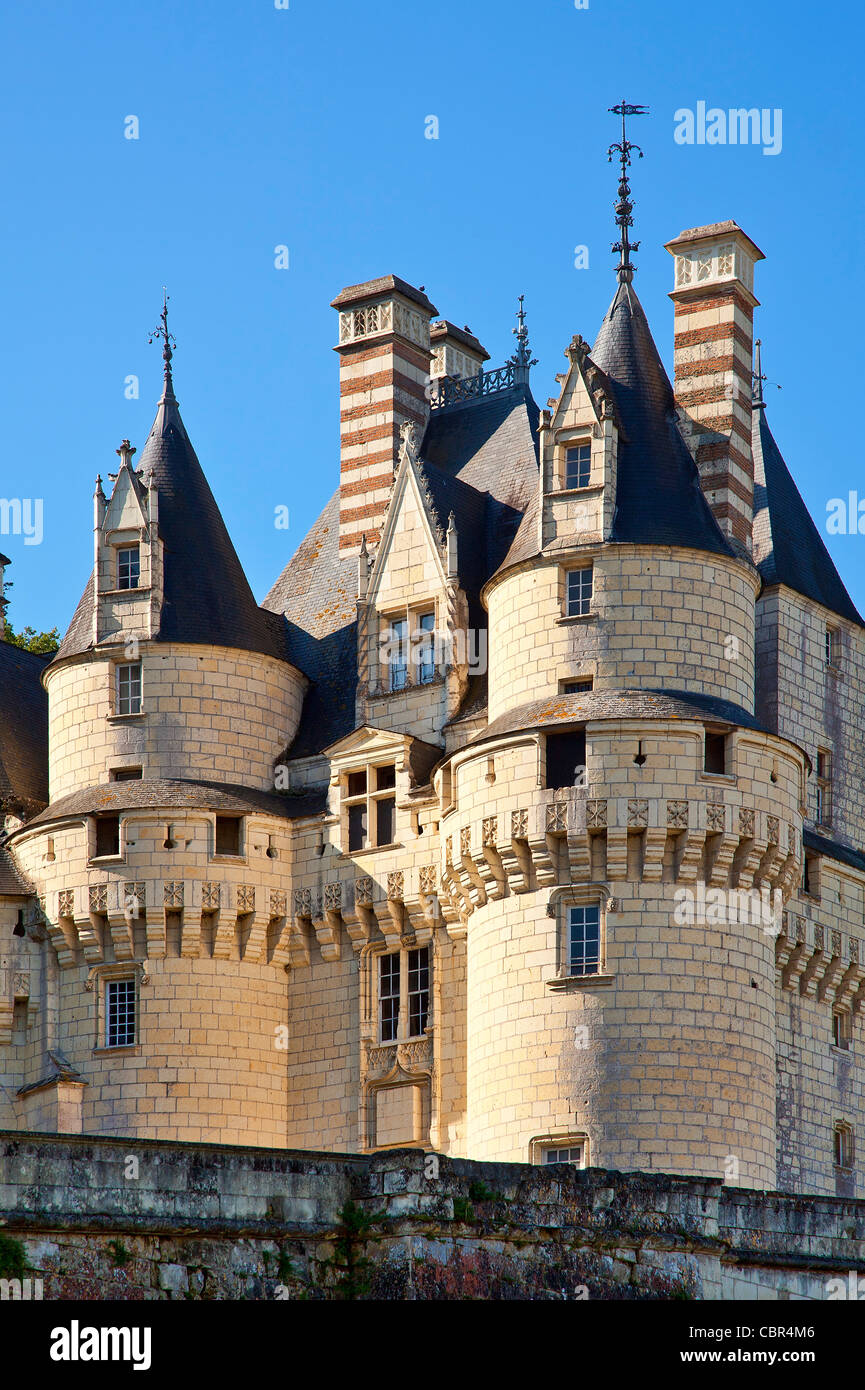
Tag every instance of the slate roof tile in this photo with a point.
(23, 730)
(788, 548)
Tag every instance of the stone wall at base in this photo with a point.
(131, 1219)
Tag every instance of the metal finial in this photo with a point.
(758, 378)
(168, 339)
(624, 206)
(522, 359)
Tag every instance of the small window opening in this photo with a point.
(107, 836)
(227, 835)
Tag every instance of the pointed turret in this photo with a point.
(205, 598)
(788, 548)
(658, 495)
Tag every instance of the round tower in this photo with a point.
(624, 834)
(162, 858)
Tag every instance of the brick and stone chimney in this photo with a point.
(384, 375)
(713, 350)
(455, 351)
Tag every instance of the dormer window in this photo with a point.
(408, 648)
(578, 465)
(128, 567)
(398, 655)
(370, 801)
(426, 653)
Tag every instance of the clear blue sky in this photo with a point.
(305, 127)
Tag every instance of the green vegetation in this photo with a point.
(13, 1258)
(43, 643)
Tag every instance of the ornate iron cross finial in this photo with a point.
(522, 359)
(168, 340)
(624, 206)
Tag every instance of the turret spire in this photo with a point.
(522, 359)
(167, 340)
(624, 207)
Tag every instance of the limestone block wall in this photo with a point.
(821, 961)
(21, 1008)
(207, 1067)
(817, 704)
(668, 1064)
(213, 1223)
(208, 712)
(660, 617)
(206, 938)
(667, 1058)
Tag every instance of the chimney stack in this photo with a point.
(713, 351)
(455, 351)
(384, 375)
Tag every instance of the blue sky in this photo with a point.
(305, 127)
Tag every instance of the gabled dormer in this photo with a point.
(413, 632)
(579, 438)
(127, 559)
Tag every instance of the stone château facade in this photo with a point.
(524, 820)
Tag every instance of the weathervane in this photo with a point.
(167, 340)
(624, 207)
(522, 359)
(758, 376)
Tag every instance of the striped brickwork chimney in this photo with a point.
(384, 381)
(713, 350)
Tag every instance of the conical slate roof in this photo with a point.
(23, 731)
(659, 500)
(206, 595)
(788, 548)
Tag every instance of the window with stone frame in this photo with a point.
(121, 1012)
(715, 752)
(408, 647)
(842, 1029)
(832, 648)
(578, 464)
(584, 939)
(566, 759)
(107, 837)
(579, 591)
(227, 837)
(568, 1153)
(369, 800)
(128, 688)
(128, 566)
(843, 1148)
(580, 912)
(570, 1148)
(403, 993)
(823, 788)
